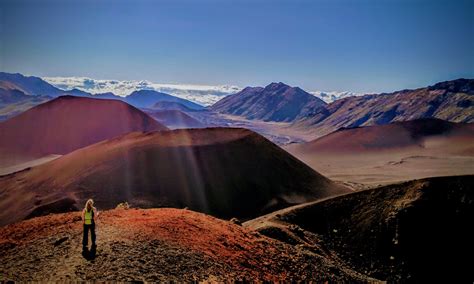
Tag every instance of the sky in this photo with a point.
(358, 46)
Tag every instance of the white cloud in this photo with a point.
(201, 94)
(329, 97)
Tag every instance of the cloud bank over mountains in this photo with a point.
(202, 94)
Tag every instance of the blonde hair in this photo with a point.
(89, 205)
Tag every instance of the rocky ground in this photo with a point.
(414, 232)
(157, 245)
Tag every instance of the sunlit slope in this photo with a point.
(224, 172)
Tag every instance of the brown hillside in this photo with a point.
(224, 172)
(396, 135)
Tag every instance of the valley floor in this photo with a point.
(280, 133)
(366, 170)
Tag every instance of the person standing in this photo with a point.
(89, 215)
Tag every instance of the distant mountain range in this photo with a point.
(451, 100)
(19, 92)
(276, 102)
(149, 98)
(138, 93)
(205, 95)
(30, 85)
(14, 101)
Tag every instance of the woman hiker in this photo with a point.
(89, 214)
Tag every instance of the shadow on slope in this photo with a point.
(416, 231)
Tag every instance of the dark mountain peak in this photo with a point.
(6, 76)
(147, 98)
(31, 85)
(275, 102)
(285, 90)
(64, 98)
(250, 89)
(276, 86)
(18, 76)
(460, 85)
(146, 92)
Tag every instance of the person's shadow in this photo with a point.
(89, 254)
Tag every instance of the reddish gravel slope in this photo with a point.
(156, 245)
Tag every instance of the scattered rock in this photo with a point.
(60, 241)
(236, 221)
(123, 205)
(7, 245)
(296, 229)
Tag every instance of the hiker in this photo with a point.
(89, 214)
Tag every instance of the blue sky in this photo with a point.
(361, 46)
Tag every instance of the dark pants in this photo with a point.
(85, 236)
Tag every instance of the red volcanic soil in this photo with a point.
(226, 172)
(66, 124)
(157, 245)
(175, 119)
(390, 136)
